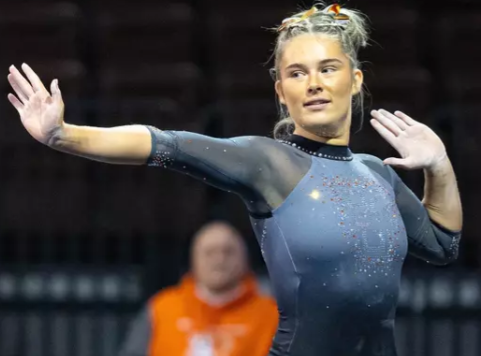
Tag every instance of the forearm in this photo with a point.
(441, 196)
(118, 145)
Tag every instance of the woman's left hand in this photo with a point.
(418, 145)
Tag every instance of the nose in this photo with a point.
(315, 85)
(314, 89)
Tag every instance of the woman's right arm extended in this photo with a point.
(116, 145)
(42, 114)
(238, 164)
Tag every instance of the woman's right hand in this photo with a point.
(41, 112)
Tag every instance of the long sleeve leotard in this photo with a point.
(334, 229)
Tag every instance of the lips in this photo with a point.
(315, 102)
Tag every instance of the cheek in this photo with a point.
(344, 86)
(294, 93)
(201, 270)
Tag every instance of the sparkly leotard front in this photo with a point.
(334, 229)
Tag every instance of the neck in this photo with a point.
(337, 135)
(318, 148)
(218, 297)
(342, 140)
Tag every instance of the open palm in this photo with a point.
(41, 113)
(418, 145)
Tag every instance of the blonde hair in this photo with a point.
(348, 26)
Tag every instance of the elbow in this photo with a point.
(445, 255)
(436, 246)
(448, 251)
(443, 259)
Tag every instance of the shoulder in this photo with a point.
(267, 307)
(269, 302)
(250, 142)
(376, 164)
(266, 302)
(267, 148)
(369, 159)
(257, 141)
(166, 298)
(271, 147)
(260, 309)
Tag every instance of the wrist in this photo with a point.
(57, 136)
(439, 166)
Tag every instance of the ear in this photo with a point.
(280, 93)
(357, 82)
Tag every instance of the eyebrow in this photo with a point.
(323, 62)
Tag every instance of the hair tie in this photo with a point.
(290, 21)
(335, 11)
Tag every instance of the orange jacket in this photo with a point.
(183, 325)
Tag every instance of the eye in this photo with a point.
(329, 69)
(296, 74)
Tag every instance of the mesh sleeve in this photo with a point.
(427, 240)
(239, 165)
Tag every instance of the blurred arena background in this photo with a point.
(83, 244)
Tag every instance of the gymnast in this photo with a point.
(334, 226)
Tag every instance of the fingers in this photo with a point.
(400, 123)
(404, 163)
(388, 135)
(15, 102)
(55, 90)
(21, 86)
(396, 162)
(34, 79)
(407, 119)
(382, 117)
(17, 89)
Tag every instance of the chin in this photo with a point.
(218, 283)
(223, 284)
(219, 287)
(322, 120)
(319, 123)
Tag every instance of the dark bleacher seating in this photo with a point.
(47, 37)
(410, 87)
(147, 51)
(394, 37)
(454, 55)
(29, 32)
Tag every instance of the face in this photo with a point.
(218, 258)
(316, 84)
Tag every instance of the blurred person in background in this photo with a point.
(334, 227)
(216, 310)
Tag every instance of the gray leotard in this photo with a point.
(334, 229)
